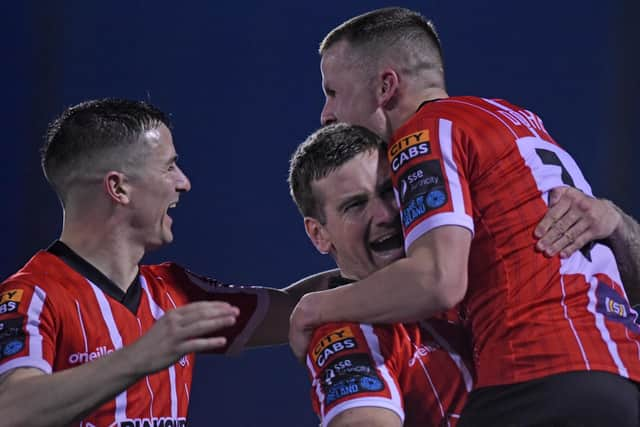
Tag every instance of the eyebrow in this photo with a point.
(350, 199)
(173, 159)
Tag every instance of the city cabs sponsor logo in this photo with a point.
(334, 342)
(409, 147)
(9, 300)
(84, 357)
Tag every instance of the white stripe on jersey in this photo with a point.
(317, 383)
(563, 304)
(186, 391)
(35, 359)
(157, 312)
(458, 216)
(444, 218)
(82, 327)
(455, 356)
(505, 108)
(602, 327)
(116, 340)
(489, 112)
(33, 322)
(376, 402)
(450, 166)
(602, 261)
(146, 378)
(374, 346)
(548, 177)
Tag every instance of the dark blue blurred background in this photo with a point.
(242, 82)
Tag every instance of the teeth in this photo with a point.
(382, 239)
(173, 205)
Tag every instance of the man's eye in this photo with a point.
(354, 206)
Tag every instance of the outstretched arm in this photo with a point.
(29, 397)
(274, 327)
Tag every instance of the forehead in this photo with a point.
(338, 58)
(159, 141)
(363, 173)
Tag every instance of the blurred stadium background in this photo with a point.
(242, 83)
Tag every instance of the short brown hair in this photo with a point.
(321, 153)
(85, 133)
(391, 29)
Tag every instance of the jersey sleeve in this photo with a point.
(347, 369)
(253, 302)
(428, 171)
(27, 327)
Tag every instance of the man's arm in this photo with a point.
(273, 329)
(575, 219)
(29, 397)
(625, 244)
(432, 278)
(366, 417)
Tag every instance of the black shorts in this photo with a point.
(572, 399)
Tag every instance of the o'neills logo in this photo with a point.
(87, 357)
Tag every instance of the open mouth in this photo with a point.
(171, 206)
(389, 242)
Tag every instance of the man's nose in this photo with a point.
(184, 184)
(384, 211)
(327, 116)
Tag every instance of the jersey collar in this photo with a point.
(427, 102)
(130, 299)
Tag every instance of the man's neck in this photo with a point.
(106, 250)
(408, 107)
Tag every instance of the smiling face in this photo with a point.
(350, 91)
(156, 188)
(362, 228)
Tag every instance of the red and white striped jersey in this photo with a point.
(420, 372)
(58, 312)
(488, 166)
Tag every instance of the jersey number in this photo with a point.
(549, 157)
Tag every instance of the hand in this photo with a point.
(573, 220)
(301, 325)
(186, 329)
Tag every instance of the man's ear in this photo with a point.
(317, 234)
(117, 187)
(389, 83)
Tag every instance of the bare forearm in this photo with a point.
(391, 295)
(625, 244)
(315, 282)
(63, 397)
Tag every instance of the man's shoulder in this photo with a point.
(42, 270)
(168, 268)
(459, 107)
